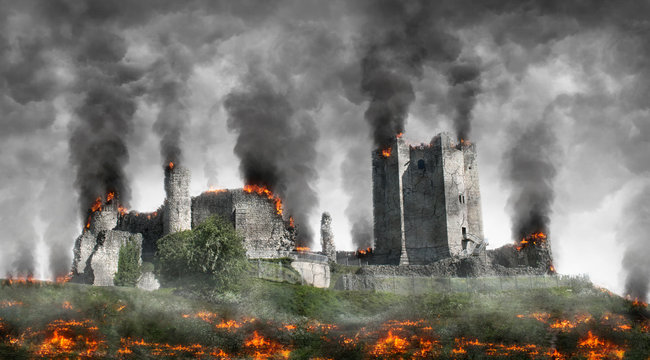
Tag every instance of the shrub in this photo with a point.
(128, 264)
(212, 253)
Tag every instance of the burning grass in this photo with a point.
(277, 321)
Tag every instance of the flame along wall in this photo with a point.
(178, 203)
(426, 201)
(255, 218)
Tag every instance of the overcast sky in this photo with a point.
(100, 94)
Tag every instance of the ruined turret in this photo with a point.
(326, 237)
(178, 203)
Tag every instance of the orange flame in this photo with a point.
(302, 248)
(213, 190)
(170, 165)
(386, 152)
(363, 252)
(532, 239)
(122, 210)
(399, 135)
(264, 191)
(97, 205)
(63, 279)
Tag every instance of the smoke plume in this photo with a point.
(465, 81)
(355, 182)
(275, 146)
(169, 78)
(402, 38)
(635, 238)
(530, 171)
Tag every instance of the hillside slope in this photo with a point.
(278, 320)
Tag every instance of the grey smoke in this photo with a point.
(635, 234)
(465, 82)
(401, 38)
(531, 172)
(356, 183)
(275, 145)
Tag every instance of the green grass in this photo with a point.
(168, 317)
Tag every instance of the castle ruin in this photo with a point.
(426, 201)
(254, 216)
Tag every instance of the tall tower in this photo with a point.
(388, 166)
(427, 203)
(178, 203)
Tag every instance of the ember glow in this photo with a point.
(386, 152)
(532, 239)
(363, 252)
(213, 190)
(98, 205)
(264, 191)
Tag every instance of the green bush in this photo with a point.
(211, 255)
(128, 264)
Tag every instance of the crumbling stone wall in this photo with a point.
(177, 215)
(327, 237)
(258, 222)
(252, 215)
(150, 225)
(102, 220)
(102, 263)
(213, 203)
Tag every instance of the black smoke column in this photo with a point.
(531, 173)
(98, 148)
(275, 147)
(465, 82)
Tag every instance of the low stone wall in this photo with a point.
(313, 273)
(421, 284)
(313, 268)
(102, 263)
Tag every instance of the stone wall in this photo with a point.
(213, 203)
(388, 202)
(258, 222)
(177, 215)
(97, 255)
(425, 216)
(316, 274)
(102, 264)
(150, 225)
(473, 192)
(102, 220)
(253, 216)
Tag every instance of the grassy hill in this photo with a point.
(267, 319)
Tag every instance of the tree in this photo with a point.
(212, 254)
(128, 264)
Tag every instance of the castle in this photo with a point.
(427, 220)
(426, 201)
(255, 213)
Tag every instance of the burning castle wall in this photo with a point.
(256, 216)
(426, 200)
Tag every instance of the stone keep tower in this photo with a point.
(178, 203)
(426, 200)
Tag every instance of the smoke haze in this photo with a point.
(295, 94)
